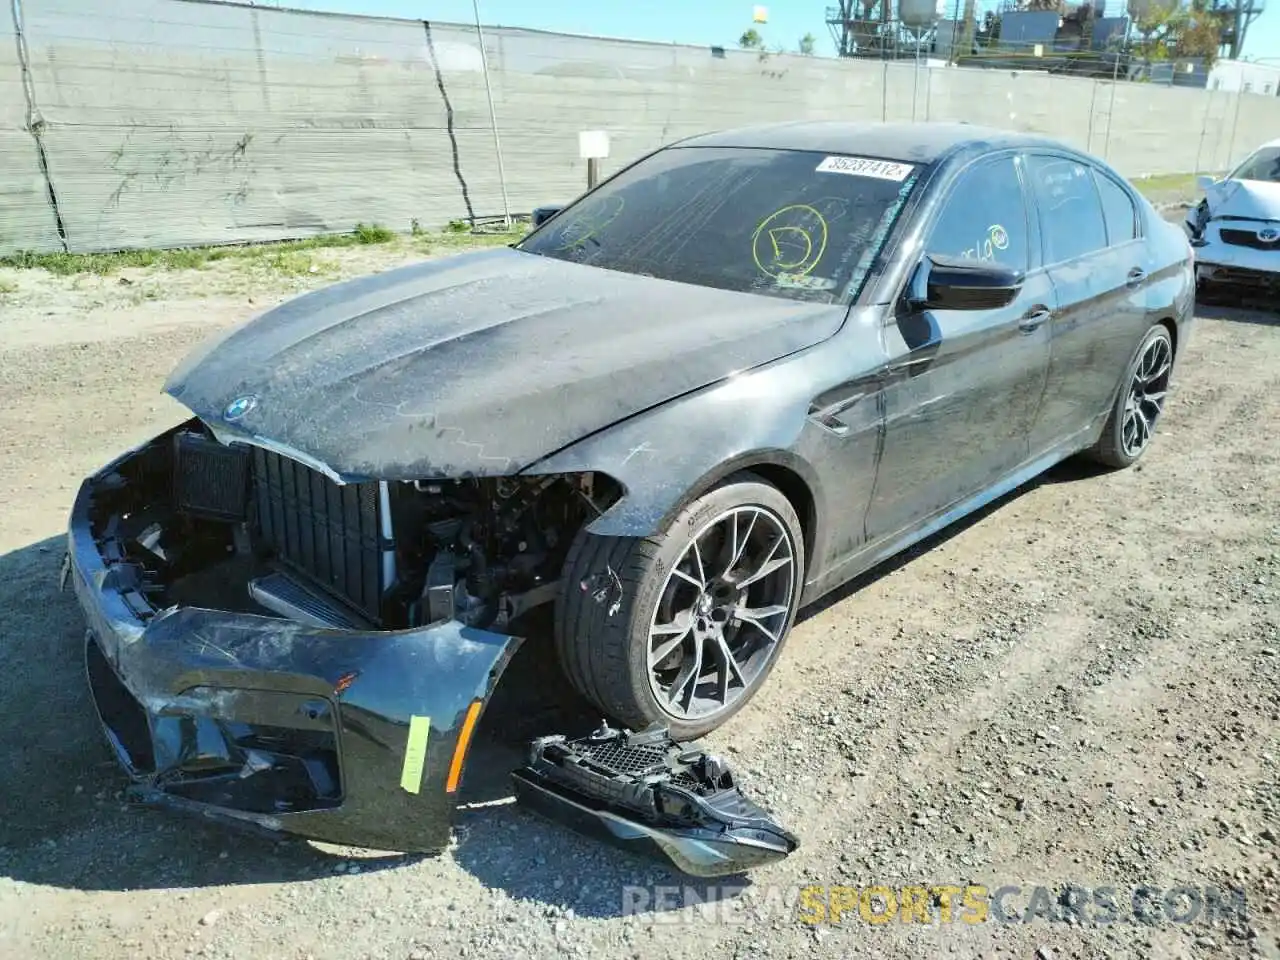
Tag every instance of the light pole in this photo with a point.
(493, 116)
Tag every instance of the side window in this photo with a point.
(1117, 209)
(985, 217)
(1070, 210)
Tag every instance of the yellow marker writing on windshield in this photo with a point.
(779, 236)
(597, 215)
(797, 233)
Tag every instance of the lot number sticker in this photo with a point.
(866, 167)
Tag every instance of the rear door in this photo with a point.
(1096, 255)
(964, 384)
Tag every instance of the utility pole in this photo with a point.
(493, 116)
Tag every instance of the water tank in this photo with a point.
(917, 13)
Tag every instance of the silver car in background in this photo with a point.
(1235, 230)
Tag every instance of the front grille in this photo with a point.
(634, 760)
(1249, 238)
(330, 533)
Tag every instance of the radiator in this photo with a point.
(336, 535)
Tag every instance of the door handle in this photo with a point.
(907, 366)
(1135, 277)
(1034, 318)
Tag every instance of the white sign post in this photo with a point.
(593, 146)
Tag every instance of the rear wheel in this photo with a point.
(683, 627)
(1139, 403)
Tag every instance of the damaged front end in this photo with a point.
(1234, 234)
(270, 647)
(217, 705)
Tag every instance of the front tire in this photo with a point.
(1139, 402)
(682, 628)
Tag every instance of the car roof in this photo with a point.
(925, 142)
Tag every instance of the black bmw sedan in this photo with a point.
(744, 369)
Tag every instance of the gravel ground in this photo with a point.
(1077, 688)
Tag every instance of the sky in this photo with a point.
(699, 22)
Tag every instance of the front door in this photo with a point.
(964, 384)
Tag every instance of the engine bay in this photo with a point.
(484, 551)
(237, 527)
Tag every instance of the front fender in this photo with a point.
(666, 456)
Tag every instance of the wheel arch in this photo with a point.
(794, 478)
(1169, 324)
(617, 562)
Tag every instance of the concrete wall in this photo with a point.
(172, 122)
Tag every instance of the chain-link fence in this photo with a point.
(152, 123)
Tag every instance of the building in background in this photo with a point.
(1241, 76)
(1157, 41)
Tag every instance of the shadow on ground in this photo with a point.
(1077, 469)
(65, 822)
(1258, 310)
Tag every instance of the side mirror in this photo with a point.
(1204, 181)
(953, 283)
(542, 214)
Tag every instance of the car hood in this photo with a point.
(1249, 199)
(477, 364)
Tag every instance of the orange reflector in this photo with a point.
(460, 751)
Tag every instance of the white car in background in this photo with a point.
(1235, 230)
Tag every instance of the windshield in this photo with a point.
(1263, 165)
(783, 223)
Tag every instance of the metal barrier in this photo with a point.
(157, 123)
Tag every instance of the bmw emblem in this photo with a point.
(1269, 235)
(238, 407)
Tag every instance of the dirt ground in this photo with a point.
(1078, 688)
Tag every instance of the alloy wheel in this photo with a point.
(1147, 392)
(722, 611)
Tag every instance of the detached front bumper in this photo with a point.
(350, 736)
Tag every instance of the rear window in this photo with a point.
(782, 223)
(1118, 209)
(1071, 215)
